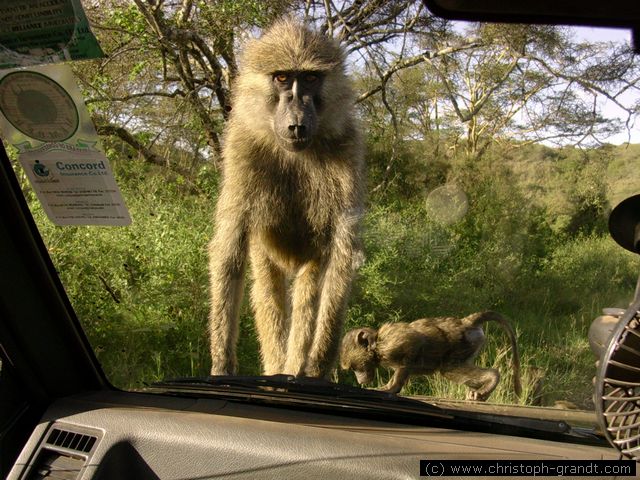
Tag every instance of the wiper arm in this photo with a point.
(301, 385)
(307, 386)
(540, 424)
(288, 382)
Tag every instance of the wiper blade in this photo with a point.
(288, 382)
(288, 389)
(292, 384)
(539, 424)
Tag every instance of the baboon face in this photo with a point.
(296, 117)
(358, 354)
(292, 92)
(366, 375)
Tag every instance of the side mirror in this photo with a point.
(624, 224)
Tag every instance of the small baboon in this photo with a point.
(291, 199)
(445, 344)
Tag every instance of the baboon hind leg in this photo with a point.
(304, 299)
(268, 297)
(481, 381)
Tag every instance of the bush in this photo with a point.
(141, 291)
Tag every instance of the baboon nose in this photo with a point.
(298, 131)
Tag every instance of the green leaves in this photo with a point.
(127, 18)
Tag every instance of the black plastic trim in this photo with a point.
(41, 334)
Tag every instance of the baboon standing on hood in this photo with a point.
(292, 199)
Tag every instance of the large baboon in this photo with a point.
(445, 344)
(292, 197)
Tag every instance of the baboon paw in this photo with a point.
(477, 396)
(295, 371)
(280, 370)
(389, 389)
(224, 368)
(314, 371)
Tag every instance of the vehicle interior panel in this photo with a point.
(147, 437)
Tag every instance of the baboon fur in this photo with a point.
(445, 344)
(296, 214)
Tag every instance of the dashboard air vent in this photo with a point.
(71, 440)
(63, 454)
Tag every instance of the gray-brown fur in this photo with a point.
(294, 208)
(445, 344)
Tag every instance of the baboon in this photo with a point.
(291, 199)
(445, 344)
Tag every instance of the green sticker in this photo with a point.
(44, 31)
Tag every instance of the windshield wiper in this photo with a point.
(297, 385)
(288, 382)
(292, 391)
(286, 387)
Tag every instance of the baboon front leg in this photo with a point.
(481, 381)
(227, 254)
(397, 381)
(303, 317)
(333, 297)
(268, 297)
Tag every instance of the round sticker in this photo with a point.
(38, 107)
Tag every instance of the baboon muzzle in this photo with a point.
(296, 115)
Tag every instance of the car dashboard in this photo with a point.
(111, 434)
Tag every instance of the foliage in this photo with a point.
(141, 291)
(169, 68)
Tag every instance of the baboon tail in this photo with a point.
(477, 319)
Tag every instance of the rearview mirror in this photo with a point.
(610, 13)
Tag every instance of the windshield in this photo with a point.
(491, 157)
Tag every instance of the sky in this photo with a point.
(603, 34)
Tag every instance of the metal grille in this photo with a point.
(71, 440)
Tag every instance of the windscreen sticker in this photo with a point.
(43, 115)
(75, 187)
(34, 32)
(38, 107)
(43, 105)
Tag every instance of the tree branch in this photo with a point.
(408, 62)
(126, 136)
(175, 93)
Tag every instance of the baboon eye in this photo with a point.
(311, 77)
(282, 77)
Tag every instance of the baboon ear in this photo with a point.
(367, 339)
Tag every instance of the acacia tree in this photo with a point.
(167, 60)
(534, 83)
(164, 85)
